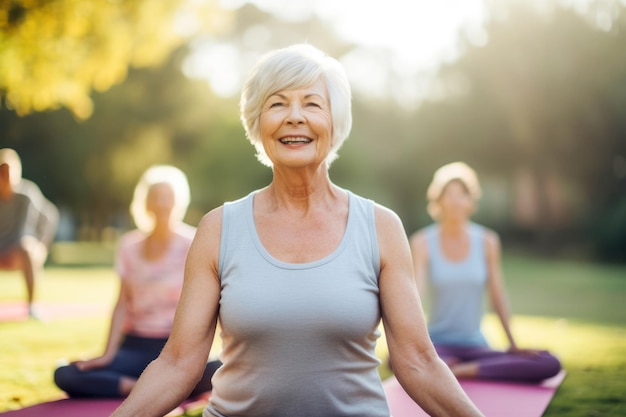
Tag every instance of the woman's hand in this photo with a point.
(526, 352)
(94, 363)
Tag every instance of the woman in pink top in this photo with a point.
(150, 262)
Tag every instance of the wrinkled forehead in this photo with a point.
(317, 87)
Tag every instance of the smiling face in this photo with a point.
(296, 126)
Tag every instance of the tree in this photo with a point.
(543, 108)
(54, 53)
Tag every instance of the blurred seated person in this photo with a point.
(28, 223)
(150, 263)
(458, 260)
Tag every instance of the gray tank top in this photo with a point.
(298, 339)
(457, 291)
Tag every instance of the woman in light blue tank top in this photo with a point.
(300, 274)
(460, 260)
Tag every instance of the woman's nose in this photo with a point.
(295, 115)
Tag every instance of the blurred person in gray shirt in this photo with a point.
(28, 223)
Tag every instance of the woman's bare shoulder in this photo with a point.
(211, 222)
(492, 241)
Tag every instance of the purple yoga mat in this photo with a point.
(494, 399)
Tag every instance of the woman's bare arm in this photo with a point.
(425, 377)
(496, 287)
(419, 252)
(169, 379)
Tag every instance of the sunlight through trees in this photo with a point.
(53, 53)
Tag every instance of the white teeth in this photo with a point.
(295, 140)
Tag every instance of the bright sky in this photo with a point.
(420, 30)
(419, 34)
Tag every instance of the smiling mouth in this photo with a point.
(295, 140)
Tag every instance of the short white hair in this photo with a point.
(294, 67)
(159, 174)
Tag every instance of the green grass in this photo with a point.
(573, 309)
(574, 290)
(31, 349)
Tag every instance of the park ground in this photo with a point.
(574, 309)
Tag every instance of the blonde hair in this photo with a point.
(296, 66)
(159, 174)
(455, 171)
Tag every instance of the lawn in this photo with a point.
(574, 309)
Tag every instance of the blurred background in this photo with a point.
(532, 94)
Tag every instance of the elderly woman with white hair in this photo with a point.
(299, 275)
(150, 262)
(458, 261)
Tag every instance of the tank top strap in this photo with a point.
(477, 242)
(233, 218)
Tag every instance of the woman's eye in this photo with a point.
(313, 104)
(276, 104)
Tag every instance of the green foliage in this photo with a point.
(91, 167)
(157, 115)
(544, 99)
(610, 233)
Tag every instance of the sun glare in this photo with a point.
(421, 33)
(396, 40)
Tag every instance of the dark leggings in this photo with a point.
(503, 366)
(134, 355)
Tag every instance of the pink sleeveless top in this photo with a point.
(154, 286)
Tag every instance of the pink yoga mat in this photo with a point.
(71, 407)
(68, 408)
(18, 311)
(494, 399)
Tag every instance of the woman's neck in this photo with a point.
(454, 240)
(161, 231)
(301, 193)
(452, 227)
(157, 242)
